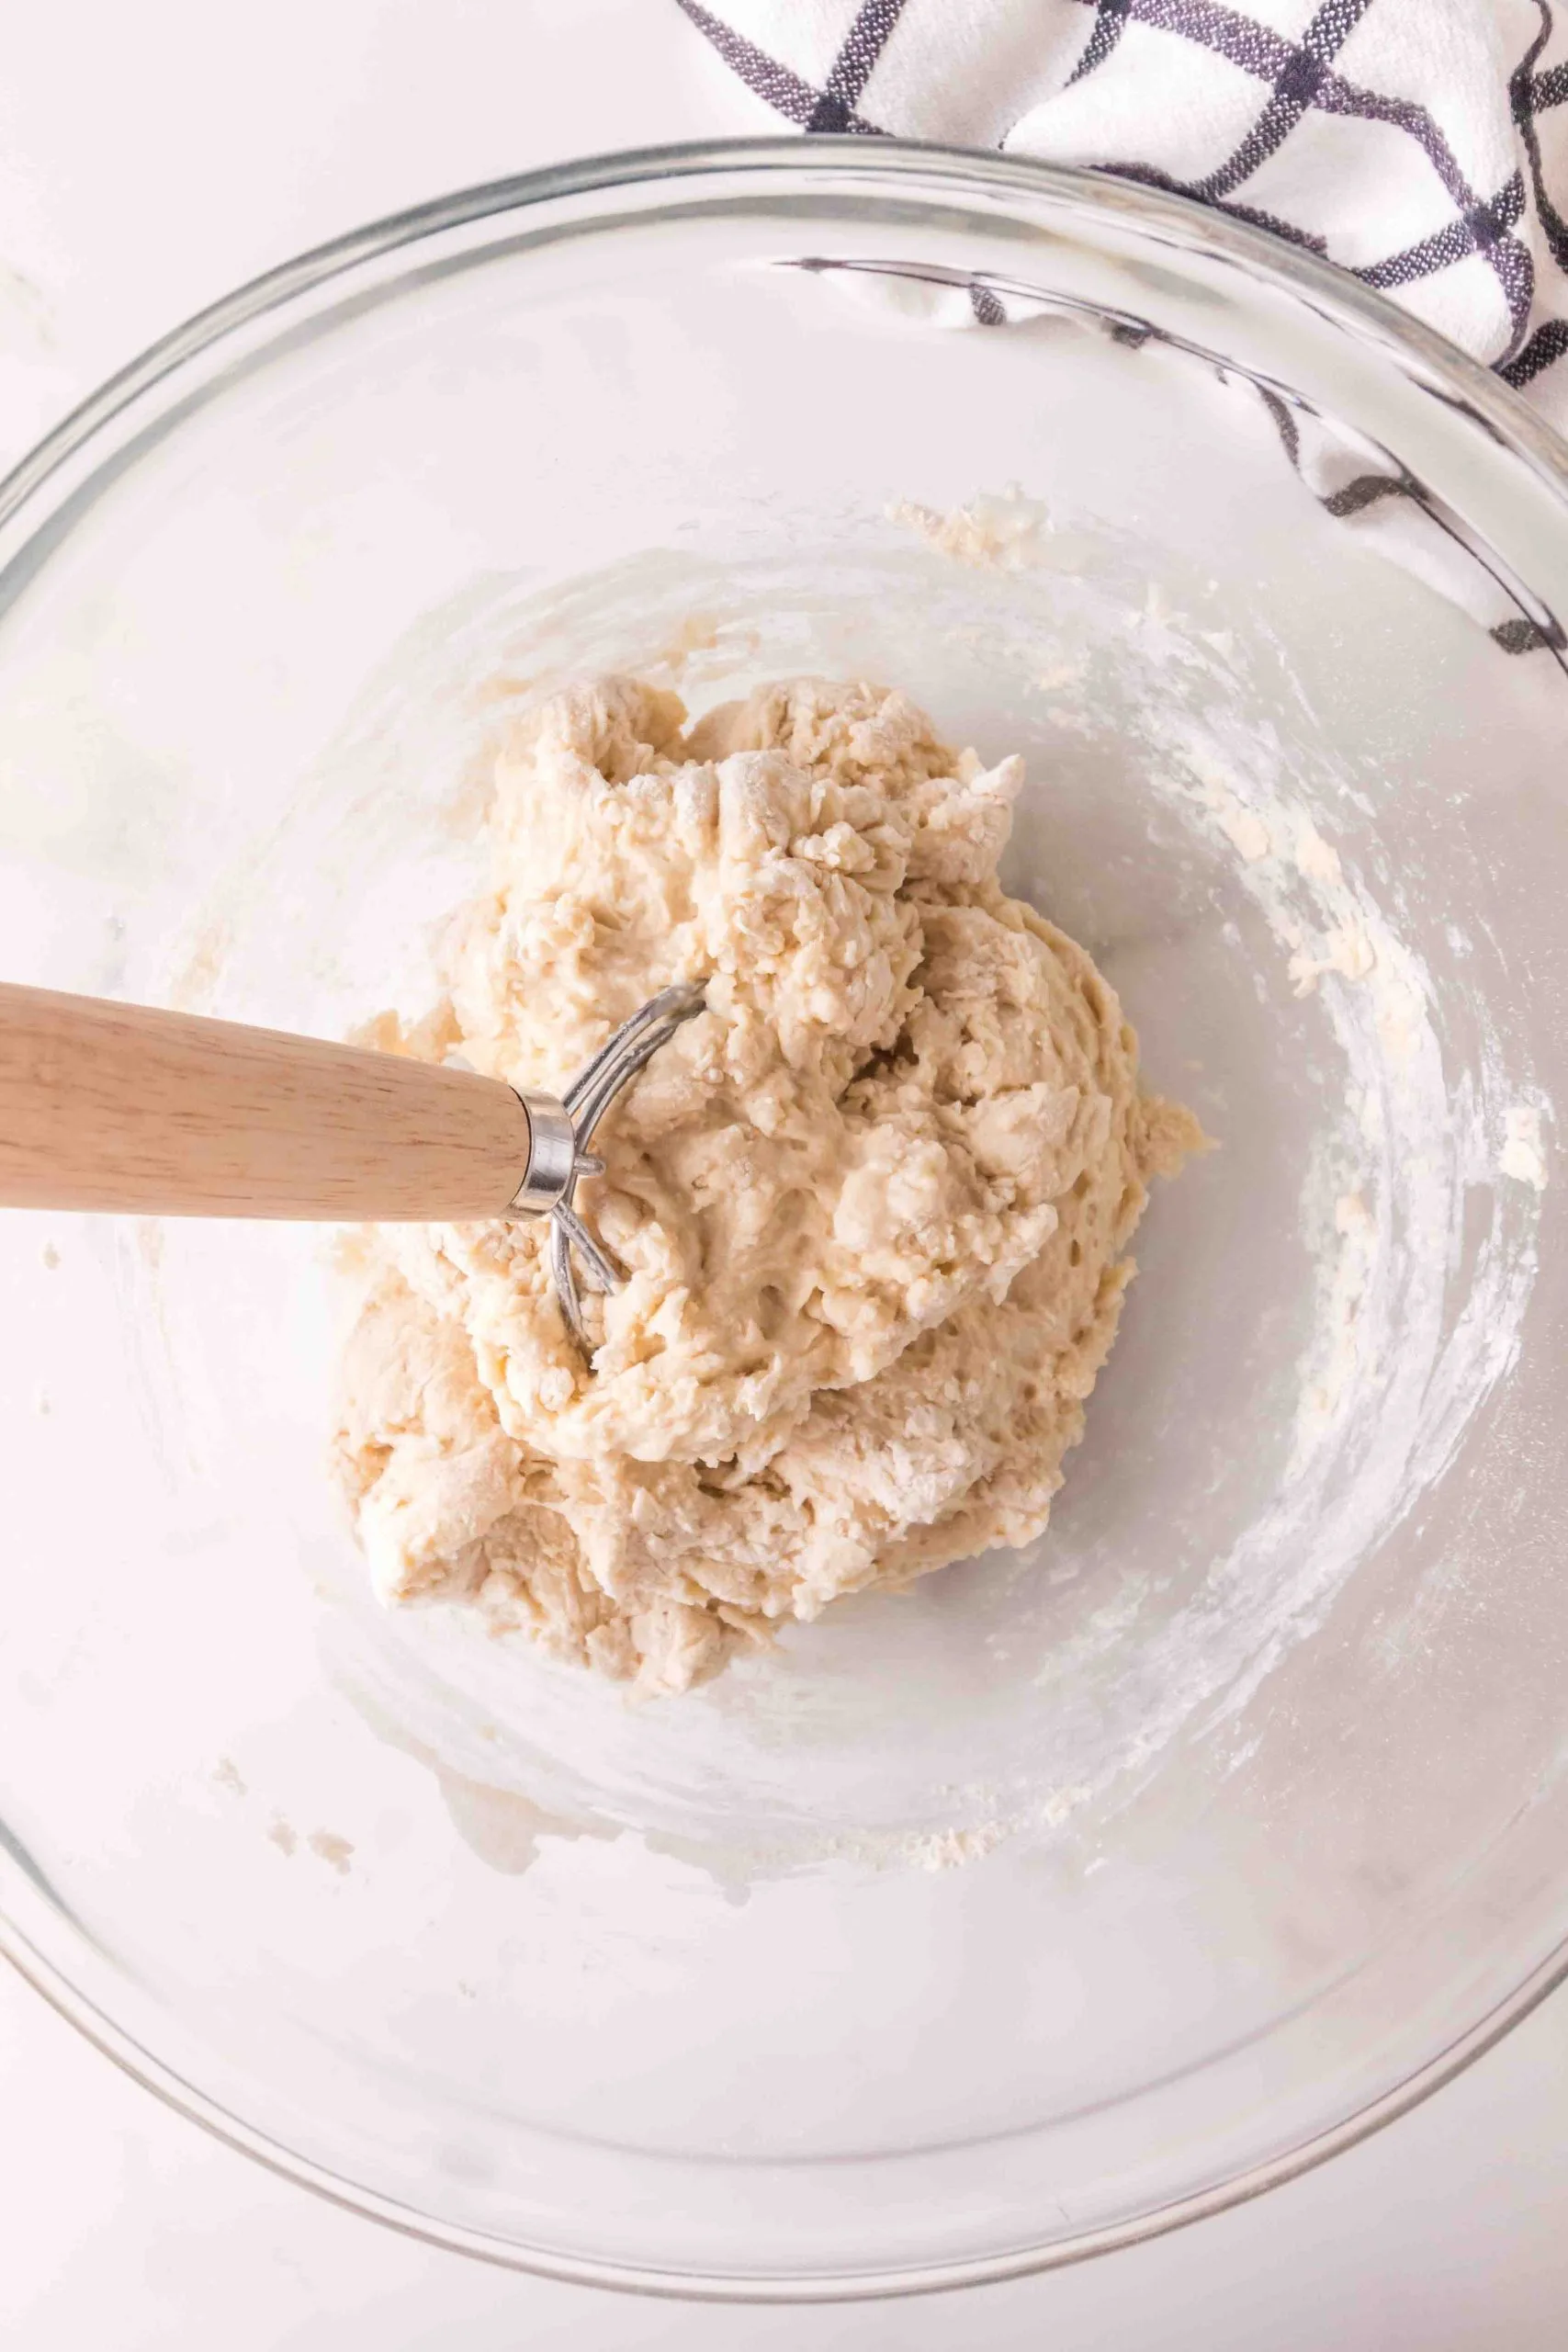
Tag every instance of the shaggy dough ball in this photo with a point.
(875, 1200)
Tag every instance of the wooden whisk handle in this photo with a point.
(120, 1107)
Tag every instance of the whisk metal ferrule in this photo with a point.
(552, 1154)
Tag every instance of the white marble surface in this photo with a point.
(149, 159)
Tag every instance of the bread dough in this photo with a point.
(875, 1200)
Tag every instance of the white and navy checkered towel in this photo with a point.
(1415, 142)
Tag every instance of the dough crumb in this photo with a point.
(875, 1202)
(999, 531)
(332, 1849)
(950, 1849)
(283, 1837)
(1523, 1155)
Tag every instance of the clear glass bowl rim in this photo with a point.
(1464, 385)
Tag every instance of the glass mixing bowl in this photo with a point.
(1072, 1895)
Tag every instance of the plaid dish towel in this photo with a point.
(1418, 143)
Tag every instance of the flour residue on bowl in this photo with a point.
(1388, 1375)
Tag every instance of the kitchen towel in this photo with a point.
(1416, 144)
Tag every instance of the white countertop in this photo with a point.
(150, 159)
